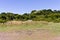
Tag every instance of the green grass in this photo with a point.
(53, 27)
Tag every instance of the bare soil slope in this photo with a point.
(38, 34)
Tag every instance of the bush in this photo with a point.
(2, 21)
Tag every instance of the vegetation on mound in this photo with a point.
(35, 15)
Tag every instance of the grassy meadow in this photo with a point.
(53, 27)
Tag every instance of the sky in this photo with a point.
(26, 6)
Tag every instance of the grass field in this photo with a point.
(54, 27)
(25, 31)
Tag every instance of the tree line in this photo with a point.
(35, 15)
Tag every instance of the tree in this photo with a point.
(33, 11)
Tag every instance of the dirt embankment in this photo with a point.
(24, 22)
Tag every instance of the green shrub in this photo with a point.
(2, 21)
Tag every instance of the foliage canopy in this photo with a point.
(35, 15)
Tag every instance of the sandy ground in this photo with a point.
(29, 35)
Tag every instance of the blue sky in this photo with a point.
(23, 6)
